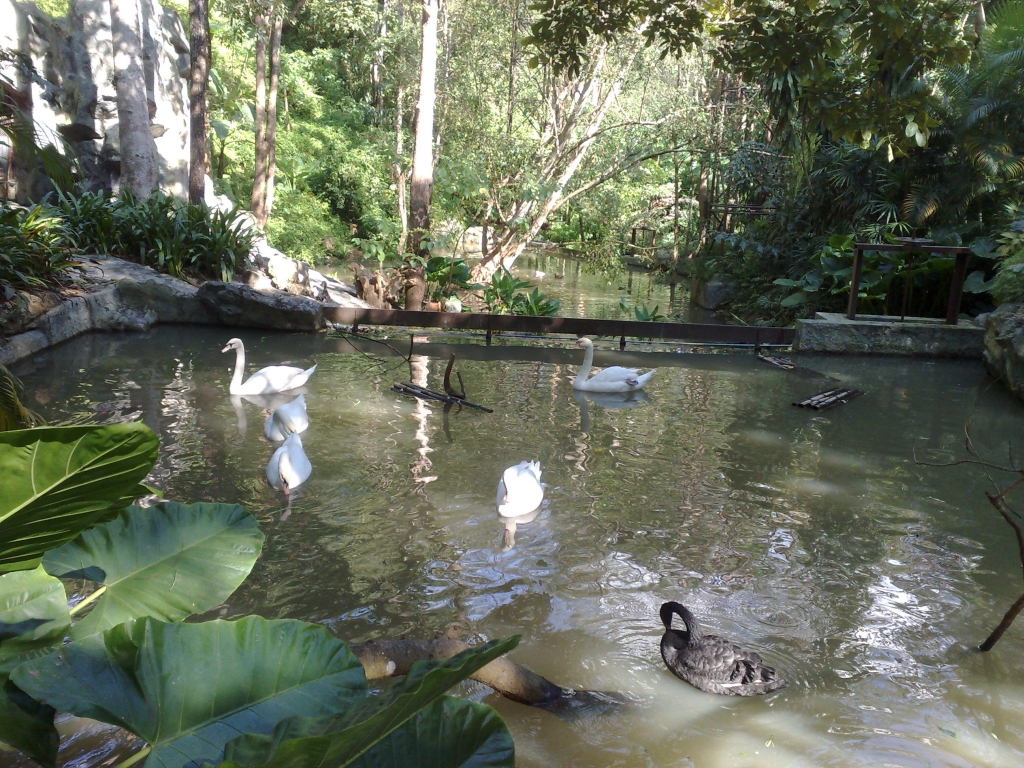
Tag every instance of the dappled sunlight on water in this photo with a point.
(813, 538)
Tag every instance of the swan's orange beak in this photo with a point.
(226, 349)
(579, 342)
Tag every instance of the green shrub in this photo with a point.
(300, 224)
(506, 296)
(34, 248)
(161, 231)
(1008, 285)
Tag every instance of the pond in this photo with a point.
(813, 538)
(583, 290)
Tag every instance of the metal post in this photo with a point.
(851, 308)
(622, 343)
(488, 337)
(956, 288)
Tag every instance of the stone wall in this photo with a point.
(1004, 346)
(69, 89)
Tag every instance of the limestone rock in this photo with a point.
(72, 89)
(239, 305)
(22, 312)
(1004, 346)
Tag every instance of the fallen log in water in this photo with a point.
(391, 658)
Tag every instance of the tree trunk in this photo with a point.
(512, 65)
(979, 18)
(377, 68)
(422, 186)
(399, 169)
(675, 206)
(271, 136)
(138, 152)
(258, 200)
(199, 74)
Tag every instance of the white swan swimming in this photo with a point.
(289, 467)
(274, 378)
(520, 490)
(614, 379)
(286, 419)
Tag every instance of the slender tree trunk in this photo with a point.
(199, 73)
(258, 200)
(138, 152)
(377, 68)
(675, 206)
(979, 18)
(271, 137)
(422, 186)
(399, 170)
(513, 53)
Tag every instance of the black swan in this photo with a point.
(711, 663)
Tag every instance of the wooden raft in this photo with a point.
(829, 399)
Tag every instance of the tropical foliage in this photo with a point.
(161, 231)
(252, 692)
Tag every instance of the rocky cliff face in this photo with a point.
(63, 75)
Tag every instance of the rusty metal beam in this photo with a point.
(720, 334)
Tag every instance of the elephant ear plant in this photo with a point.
(232, 694)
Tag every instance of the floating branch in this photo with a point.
(829, 399)
(430, 394)
(449, 396)
(788, 365)
(390, 658)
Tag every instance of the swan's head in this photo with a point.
(584, 342)
(233, 344)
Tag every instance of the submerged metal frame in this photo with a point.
(580, 326)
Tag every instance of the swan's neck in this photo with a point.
(236, 380)
(588, 359)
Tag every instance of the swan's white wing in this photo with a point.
(500, 499)
(274, 378)
(614, 374)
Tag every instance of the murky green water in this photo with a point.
(813, 538)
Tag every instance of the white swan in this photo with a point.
(614, 379)
(274, 378)
(289, 467)
(286, 419)
(520, 490)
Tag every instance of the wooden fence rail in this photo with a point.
(756, 336)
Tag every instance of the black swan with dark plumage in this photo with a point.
(711, 663)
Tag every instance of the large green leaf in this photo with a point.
(189, 688)
(34, 619)
(58, 481)
(338, 740)
(168, 561)
(450, 733)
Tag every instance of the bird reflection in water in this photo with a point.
(608, 401)
(268, 402)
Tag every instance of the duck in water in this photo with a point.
(711, 663)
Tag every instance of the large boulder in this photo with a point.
(236, 304)
(1004, 346)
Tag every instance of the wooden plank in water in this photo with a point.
(829, 399)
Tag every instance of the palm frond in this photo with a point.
(14, 415)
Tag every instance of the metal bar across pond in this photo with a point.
(580, 326)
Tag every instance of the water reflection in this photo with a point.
(813, 538)
(607, 400)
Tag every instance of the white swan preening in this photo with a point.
(287, 419)
(289, 467)
(274, 378)
(520, 490)
(614, 379)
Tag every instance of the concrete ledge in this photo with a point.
(118, 295)
(882, 335)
